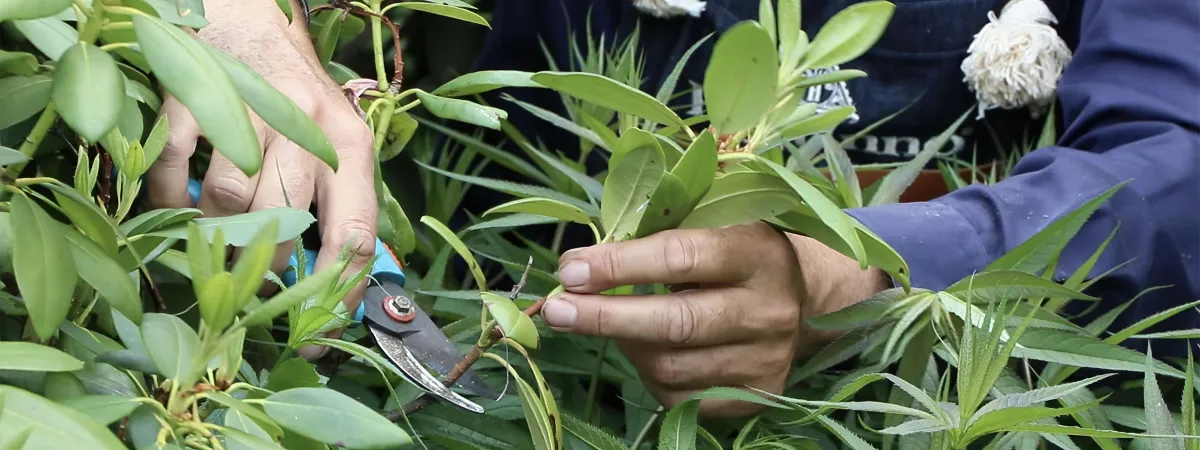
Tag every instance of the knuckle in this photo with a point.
(356, 237)
(666, 369)
(680, 254)
(228, 192)
(610, 263)
(677, 323)
(783, 318)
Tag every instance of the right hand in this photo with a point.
(257, 33)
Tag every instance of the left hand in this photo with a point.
(741, 325)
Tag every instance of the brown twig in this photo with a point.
(105, 178)
(471, 357)
(158, 298)
(397, 59)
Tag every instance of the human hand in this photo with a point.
(741, 325)
(257, 33)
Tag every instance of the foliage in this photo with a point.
(135, 332)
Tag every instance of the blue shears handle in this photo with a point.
(386, 267)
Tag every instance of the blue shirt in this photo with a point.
(1129, 106)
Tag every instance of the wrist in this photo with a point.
(832, 281)
(240, 21)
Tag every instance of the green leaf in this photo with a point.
(52, 425)
(156, 219)
(327, 26)
(1083, 351)
(195, 78)
(401, 129)
(534, 409)
(462, 110)
(104, 409)
(9, 156)
(679, 427)
(172, 345)
(819, 123)
(667, 88)
(848, 34)
(843, 170)
(18, 63)
(1036, 252)
(237, 440)
(698, 166)
(459, 247)
(85, 215)
(333, 418)
(742, 197)
(89, 91)
(23, 97)
(591, 435)
(608, 93)
(189, 13)
(285, 6)
(1009, 284)
(217, 302)
(543, 207)
(257, 416)
(50, 36)
(836, 76)
(300, 292)
(484, 81)
(25, 9)
(445, 10)
(104, 274)
(254, 261)
(898, 180)
(276, 109)
(669, 205)
(1158, 417)
(27, 356)
(43, 266)
(516, 189)
(562, 122)
(879, 253)
(515, 324)
(741, 79)
(829, 214)
(628, 188)
(240, 230)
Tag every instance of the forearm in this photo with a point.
(244, 28)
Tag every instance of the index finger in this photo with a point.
(694, 318)
(671, 257)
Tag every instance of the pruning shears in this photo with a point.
(407, 336)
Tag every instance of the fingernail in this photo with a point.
(559, 313)
(575, 273)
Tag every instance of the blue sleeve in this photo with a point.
(1131, 104)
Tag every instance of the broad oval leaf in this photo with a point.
(698, 166)
(23, 97)
(848, 34)
(276, 109)
(104, 409)
(27, 356)
(158, 218)
(543, 207)
(333, 418)
(609, 93)
(462, 110)
(195, 78)
(51, 425)
(515, 324)
(43, 266)
(11, 156)
(627, 190)
(171, 343)
(741, 79)
(51, 36)
(89, 91)
(446, 10)
(26, 9)
(669, 205)
(742, 197)
(240, 230)
(103, 273)
(18, 63)
(484, 81)
(216, 301)
(842, 224)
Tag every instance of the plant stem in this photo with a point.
(40, 128)
(645, 431)
(377, 45)
(556, 244)
(594, 385)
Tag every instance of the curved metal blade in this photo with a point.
(423, 339)
(396, 351)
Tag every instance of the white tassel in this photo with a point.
(1017, 59)
(670, 8)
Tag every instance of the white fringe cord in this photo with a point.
(1017, 59)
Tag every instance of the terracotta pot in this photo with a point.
(929, 184)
